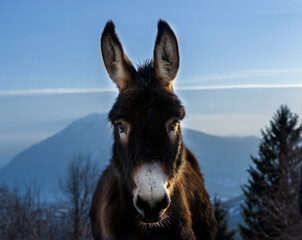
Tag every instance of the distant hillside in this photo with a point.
(224, 160)
(47, 161)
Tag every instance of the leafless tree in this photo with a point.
(20, 214)
(24, 217)
(78, 187)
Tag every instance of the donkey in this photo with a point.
(153, 187)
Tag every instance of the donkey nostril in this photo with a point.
(163, 204)
(141, 204)
(151, 212)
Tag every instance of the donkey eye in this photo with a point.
(173, 125)
(121, 127)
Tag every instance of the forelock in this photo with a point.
(145, 75)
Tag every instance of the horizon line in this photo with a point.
(54, 91)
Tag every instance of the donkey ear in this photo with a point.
(118, 66)
(166, 54)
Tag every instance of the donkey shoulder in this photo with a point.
(203, 219)
(103, 202)
(192, 160)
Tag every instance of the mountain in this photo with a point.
(46, 162)
(223, 160)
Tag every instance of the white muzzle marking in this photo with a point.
(151, 184)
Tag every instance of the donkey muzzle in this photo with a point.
(151, 197)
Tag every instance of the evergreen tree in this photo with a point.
(300, 192)
(222, 225)
(270, 210)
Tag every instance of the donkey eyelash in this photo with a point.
(175, 122)
(116, 124)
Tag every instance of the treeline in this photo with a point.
(23, 216)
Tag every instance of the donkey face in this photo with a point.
(146, 119)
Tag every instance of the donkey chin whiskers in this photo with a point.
(164, 222)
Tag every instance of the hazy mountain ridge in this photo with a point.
(223, 160)
(47, 161)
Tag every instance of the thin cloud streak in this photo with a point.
(244, 74)
(253, 86)
(54, 91)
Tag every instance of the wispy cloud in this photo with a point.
(247, 86)
(53, 91)
(244, 74)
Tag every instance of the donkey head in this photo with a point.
(148, 148)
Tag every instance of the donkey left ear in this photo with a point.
(166, 54)
(119, 67)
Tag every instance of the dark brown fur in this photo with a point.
(147, 101)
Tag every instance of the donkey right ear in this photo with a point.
(118, 66)
(166, 54)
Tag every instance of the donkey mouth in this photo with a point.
(160, 222)
(153, 220)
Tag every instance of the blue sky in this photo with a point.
(55, 44)
(242, 59)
